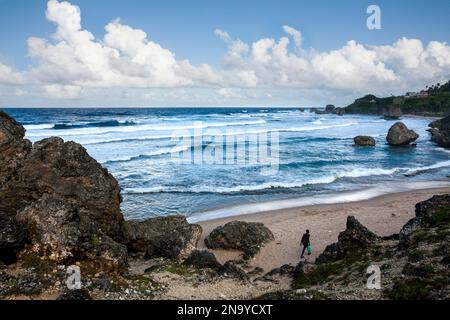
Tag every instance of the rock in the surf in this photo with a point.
(364, 141)
(440, 132)
(399, 135)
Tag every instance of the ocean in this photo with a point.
(207, 163)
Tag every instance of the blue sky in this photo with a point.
(187, 30)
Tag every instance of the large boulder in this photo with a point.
(429, 213)
(170, 237)
(202, 259)
(13, 150)
(440, 132)
(57, 202)
(62, 231)
(353, 240)
(248, 237)
(364, 141)
(399, 135)
(339, 111)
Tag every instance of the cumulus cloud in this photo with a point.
(72, 59)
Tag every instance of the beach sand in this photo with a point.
(384, 215)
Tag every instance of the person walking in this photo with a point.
(305, 242)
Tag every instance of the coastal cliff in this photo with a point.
(434, 101)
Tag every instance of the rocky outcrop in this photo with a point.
(355, 238)
(339, 111)
(248, 237)
(170, 237)
(202, 259)
(399, 135)
(56, 200)
(429, 213)
(440, 132)
(329, 108)
(364, 141)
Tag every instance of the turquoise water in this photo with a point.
(154, 154)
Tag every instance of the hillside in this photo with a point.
(434, 101)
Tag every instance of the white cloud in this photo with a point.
(56, 91)
(295, 34)
(73, 60)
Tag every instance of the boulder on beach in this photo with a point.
(202, 259)
(355, 238)
(440, 132)
(248, 237)
(170, 237)
(400, 135)
(364, 141)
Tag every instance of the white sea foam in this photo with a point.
(342, 197)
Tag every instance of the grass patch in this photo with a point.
(416, 255)
(440, 217)
(417, 271)
(319, 275)
(414, 289)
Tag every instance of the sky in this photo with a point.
(112, 53)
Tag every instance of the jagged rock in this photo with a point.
(62, 231)
(202, 259)
(170, 237)
(54, 198)
(248, 237)
(329, 254)
(399, 134)
(355, 238)
(431, 212)
(230, 269)
(440, 132)
(75, 295)
(364, 141)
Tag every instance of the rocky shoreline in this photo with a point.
(60, 209)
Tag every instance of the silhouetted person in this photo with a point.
(305, 243)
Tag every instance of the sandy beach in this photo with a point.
(384, 215)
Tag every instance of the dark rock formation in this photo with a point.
(429, 213)
(202, 259)
(230, 269)
(355, 238)
(440, 132)
(364, 141)
(248, 237)
(55, 200)
(339, 111)
(170, 237)
(399, 135)
(329, 108)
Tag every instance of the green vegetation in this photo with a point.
(414, 289)
(415, 255)
(319, 275)
(435, 102)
